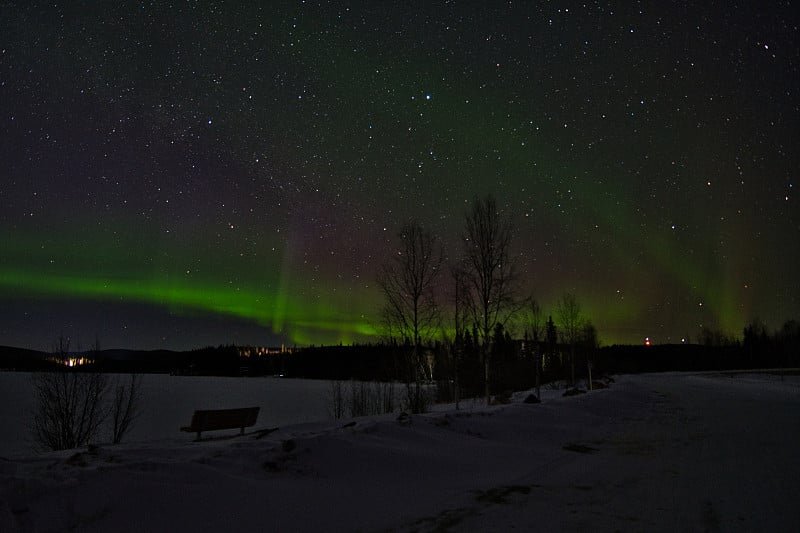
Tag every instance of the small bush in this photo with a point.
(72, 407)
(418, 397)
(336, 407)
(361, 398)
(69, 408)
(125, 408)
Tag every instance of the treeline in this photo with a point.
(513, 361)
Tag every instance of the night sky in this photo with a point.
(178, 174)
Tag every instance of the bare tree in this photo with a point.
(460, 320)
(69, 404)
(571, 326)
(535, 329)
(410, 313)
(536, 320)
(408, 282)
(490, 273)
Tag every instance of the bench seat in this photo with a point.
(216, 419)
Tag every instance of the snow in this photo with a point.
(169, 401)
(665, 452)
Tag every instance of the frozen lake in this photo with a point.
(169, 401)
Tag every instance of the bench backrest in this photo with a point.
(211, 419)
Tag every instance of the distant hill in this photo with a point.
(121, 360)
(210, 361)
(12, 358)
(116, 360)
(136, 355)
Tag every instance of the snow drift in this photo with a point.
(657, 453)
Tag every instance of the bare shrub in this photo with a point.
(69, 408)
(387, 397)
(361, 398)
(418, 398)
(336, 400)
(125, 407)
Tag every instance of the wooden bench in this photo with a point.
(214, 419)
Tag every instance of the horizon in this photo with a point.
(82, 349)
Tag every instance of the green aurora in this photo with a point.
(253, 164)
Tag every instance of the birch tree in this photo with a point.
(490, 273)
(410, 313)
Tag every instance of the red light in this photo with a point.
(647, 341)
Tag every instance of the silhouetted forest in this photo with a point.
(513, 361)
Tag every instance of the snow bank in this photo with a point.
(656, 453)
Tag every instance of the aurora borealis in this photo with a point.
(211, 172)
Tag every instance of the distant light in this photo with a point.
(647, 341)
(427, 97)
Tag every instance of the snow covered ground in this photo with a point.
(167, 403)
(666, 452)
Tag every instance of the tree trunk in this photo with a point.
(486, 374)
